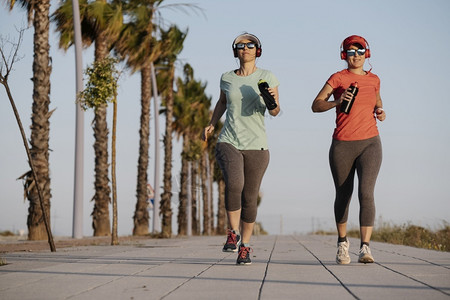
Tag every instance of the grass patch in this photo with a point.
(415, 236)
(7, 233)
(407, 235)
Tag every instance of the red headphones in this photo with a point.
(354, 39)
(251, 37)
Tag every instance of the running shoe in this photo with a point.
(244, 256)
(365, 256)
(233, 242)
(342, 257)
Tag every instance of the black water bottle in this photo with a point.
(346, 105)
(269, 100)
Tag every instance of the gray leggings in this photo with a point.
(364, 157)
(243, 171)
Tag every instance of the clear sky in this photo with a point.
(409, 41)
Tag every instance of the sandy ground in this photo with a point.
(20, 243)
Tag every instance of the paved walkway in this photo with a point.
(284, 267)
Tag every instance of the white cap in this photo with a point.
(247, 36)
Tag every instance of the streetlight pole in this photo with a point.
(77, 229)
(156, 220)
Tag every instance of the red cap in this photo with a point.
(354, 39)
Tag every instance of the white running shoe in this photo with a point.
(342, 257)
(365, 256)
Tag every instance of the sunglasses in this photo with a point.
(352, 52)
(241, 46)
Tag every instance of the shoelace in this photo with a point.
(231, 238)
(342, 251)
(364, 249)
(243, 251)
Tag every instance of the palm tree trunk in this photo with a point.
(166, 198)
(210, 192)
(195, 220)
(221, 213)
(3, 80)
(183, 194)
(100, 215)
(203, 172)
(40, 125)
(182, 206)
(141, 215)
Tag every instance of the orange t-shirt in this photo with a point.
(360, 123)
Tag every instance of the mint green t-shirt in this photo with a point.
(244, 121)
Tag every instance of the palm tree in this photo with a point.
(38, 15)
(217, 176)
(101, 22)
(190, 117)
(205, 194)
(138, 47)
(182, 220)
(172, 42)
(194, 154)
(202, 104)
(183, 112)
(202, 121)
(221, 226)
(6, 66)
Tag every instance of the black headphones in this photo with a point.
(253, 37)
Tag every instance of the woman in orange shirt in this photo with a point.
(356, 145)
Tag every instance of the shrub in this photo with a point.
(7, 233)
(408, 235)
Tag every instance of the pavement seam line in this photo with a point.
(413, 257)
(39, 270)
(401, 254)
(329, 271)
(119, 277)
(193, 277)
(267, 268)
(404, 275)
(414, 279)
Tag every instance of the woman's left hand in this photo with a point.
(207, 132)
(380, 113)
(274, 92)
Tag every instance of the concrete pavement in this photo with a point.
(283, 267)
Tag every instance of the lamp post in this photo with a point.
(156, 219)
(77, 229)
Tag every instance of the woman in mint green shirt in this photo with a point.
(242, 150)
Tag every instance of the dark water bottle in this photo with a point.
(346, 105)
(269, 100)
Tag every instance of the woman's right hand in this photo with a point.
(346, 95)
(207, 131)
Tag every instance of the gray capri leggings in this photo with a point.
(243, 171)
(364, 157)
